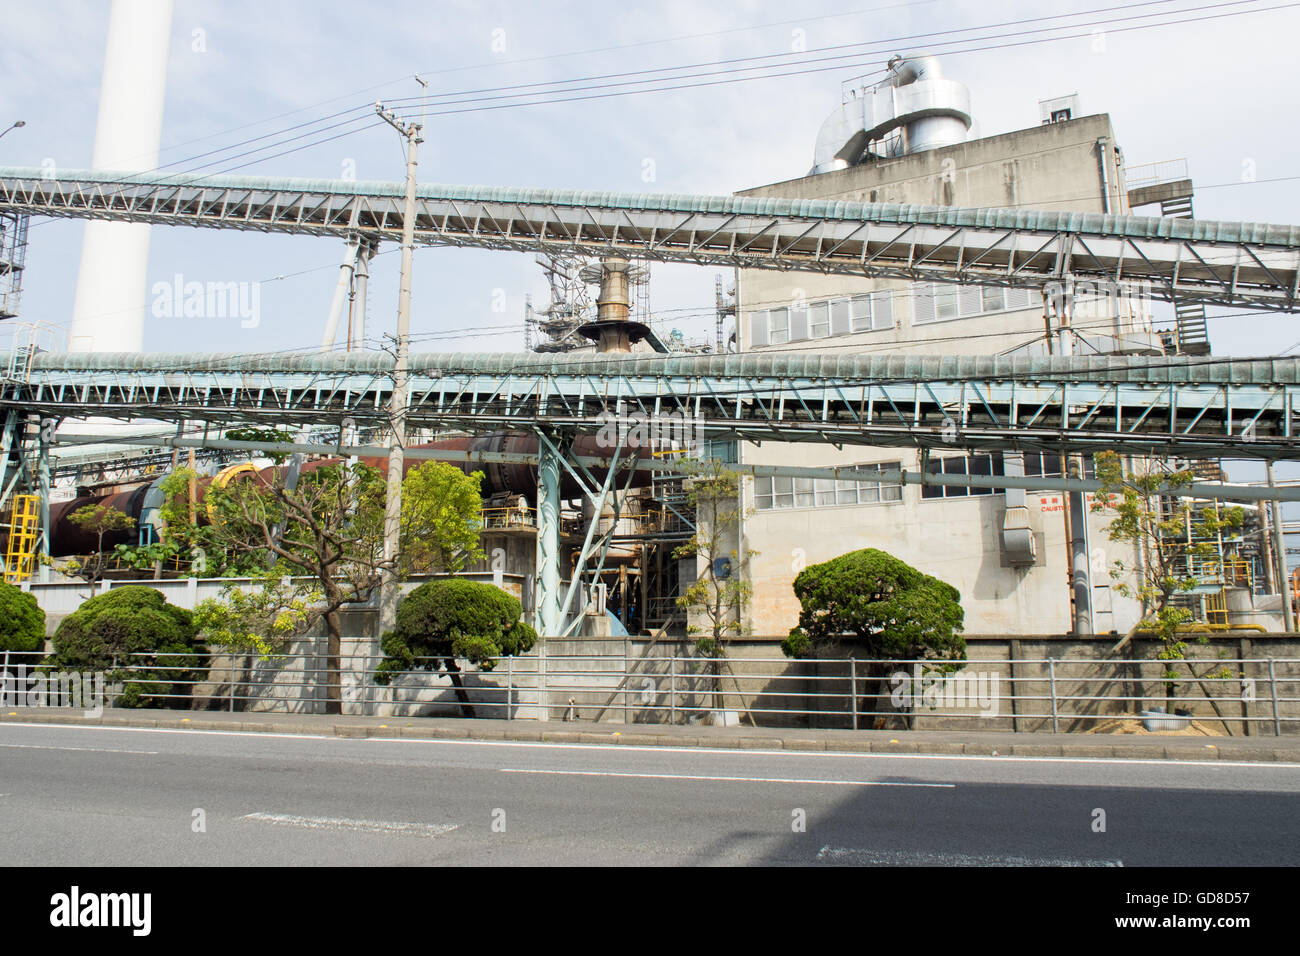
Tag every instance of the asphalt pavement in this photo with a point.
(83, 795)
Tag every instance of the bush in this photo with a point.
(454, 618)
(22, 622)
(884, 605)
(108, 632)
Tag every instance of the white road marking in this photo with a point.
(638, 748)
(342, 823)
(700, 776)
(98, 750)
(861, 857)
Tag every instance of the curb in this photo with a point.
(1013, 745)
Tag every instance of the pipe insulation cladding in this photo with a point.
(916, 101)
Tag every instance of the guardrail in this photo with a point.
(1232, 696)
(1152, 174)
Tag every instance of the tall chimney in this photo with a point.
(112, 284)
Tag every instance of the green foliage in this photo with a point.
(261, 620)
(454, 618)
(101, 519)
(441, 518)
(204, 545)
(889, 607)
(269, 435)
(144, 557)
(22, 622)
(108, 632)
(98, 520)
(1171, 534)
(718, 599)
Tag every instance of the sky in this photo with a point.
(1216, 93)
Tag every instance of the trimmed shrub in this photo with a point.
(135, 636)
(22, 622)
(453, 618)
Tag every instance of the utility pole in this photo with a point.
(388, 587)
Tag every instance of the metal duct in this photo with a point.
(926, 110)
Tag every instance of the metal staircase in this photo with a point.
(1193, 334)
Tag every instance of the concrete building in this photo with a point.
(1007, 552)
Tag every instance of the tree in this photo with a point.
(260, 619)
(1173, 537)
(187, 530)
(442, 515)
(134, 635)
(327, 527)
(22, 622)
(721, 592)
(451, 618)
(882, 605)
(98, 520)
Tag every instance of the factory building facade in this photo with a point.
(1008, 552)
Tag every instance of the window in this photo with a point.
(821, 319)
(860, 309)
(993, 299)
(779, 325)
(945, 302)
(840, 317)
(981, 465)
(882, 309)
(1042, 464)
(773, 493)
(798, 322)
(803, 492)
(939, 302)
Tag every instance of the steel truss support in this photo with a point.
(1238, 264)
(1191, 408)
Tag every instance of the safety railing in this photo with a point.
(1211, 696)
(1152, 174)
(495, 519)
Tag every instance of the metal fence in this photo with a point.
(1222, 696)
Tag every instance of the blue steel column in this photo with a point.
(549, 610)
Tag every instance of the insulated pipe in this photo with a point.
(341, 290)
(549, 612)
(361, 281)
(1081, 578)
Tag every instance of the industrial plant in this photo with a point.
(917, 346)
(649, 434)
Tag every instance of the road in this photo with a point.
(86, 796)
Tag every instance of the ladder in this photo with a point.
(23, 533)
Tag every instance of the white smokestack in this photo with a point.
(112, 286)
